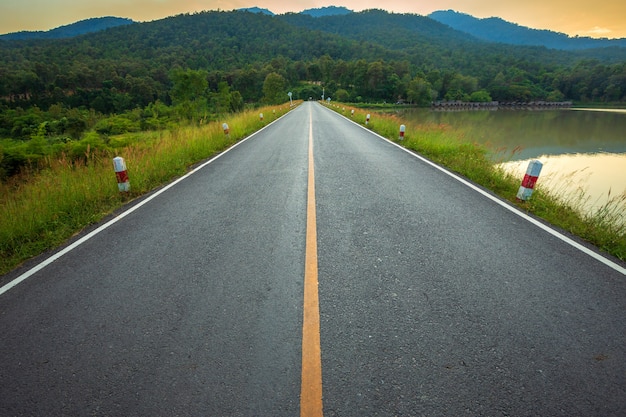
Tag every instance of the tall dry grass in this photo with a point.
(39, 211)
(604, 228)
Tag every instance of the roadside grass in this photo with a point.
(40, 211)
(604, 228)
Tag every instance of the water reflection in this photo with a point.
(586, 180)
(583, 150)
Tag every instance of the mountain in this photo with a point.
(327, 11)
(69, 31)
(226, 40)
(420, 40)
(491, 29)
(393, 31)
(366, 56)
(494, 29)
(257, 10)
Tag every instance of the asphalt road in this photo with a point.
(434, 299)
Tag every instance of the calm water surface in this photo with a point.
(583, 150)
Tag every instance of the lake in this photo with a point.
(583, 151)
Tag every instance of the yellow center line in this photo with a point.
(311, 388)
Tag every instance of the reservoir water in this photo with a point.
(583, 151)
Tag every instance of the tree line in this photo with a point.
(197, 66)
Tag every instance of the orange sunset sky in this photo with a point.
(605, 18)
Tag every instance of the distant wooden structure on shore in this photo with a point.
(495, 105)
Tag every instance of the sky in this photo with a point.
(607, 18)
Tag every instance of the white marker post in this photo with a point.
(123, 182)
(261, 116)
(529, 181)
(402, 129)
(367, 119)
(226, 128)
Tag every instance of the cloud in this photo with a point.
(598, 31)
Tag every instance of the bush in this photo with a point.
(116, 125)
(84, 148)
(481, 96)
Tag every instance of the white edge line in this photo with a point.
(106, 225)
(502, 203)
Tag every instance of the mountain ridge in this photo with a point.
(327, 11)
(257, 10)
(495, 29)
(81, 27)
(364, 56)
(492, 29)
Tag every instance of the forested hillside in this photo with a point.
(130, 66)
(146, 75)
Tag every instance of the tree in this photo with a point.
(461, 86)
(420, 92)
(464, 83)
(221, 99)
(189, 91)
(375, 79)
(481, 96)
(314, 73)
(274, 88)
(236, 101)
(342, 95)
(249, 82)
(359, 81)
(188, 85)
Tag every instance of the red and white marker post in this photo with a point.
(123, 183)
(529, 181)
(402, 130)
(226, 128)
(261, 116)
(367, 119)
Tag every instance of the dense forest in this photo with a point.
(197, 66)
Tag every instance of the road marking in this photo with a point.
(311, 388)
(597, 256)
(106, 225)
